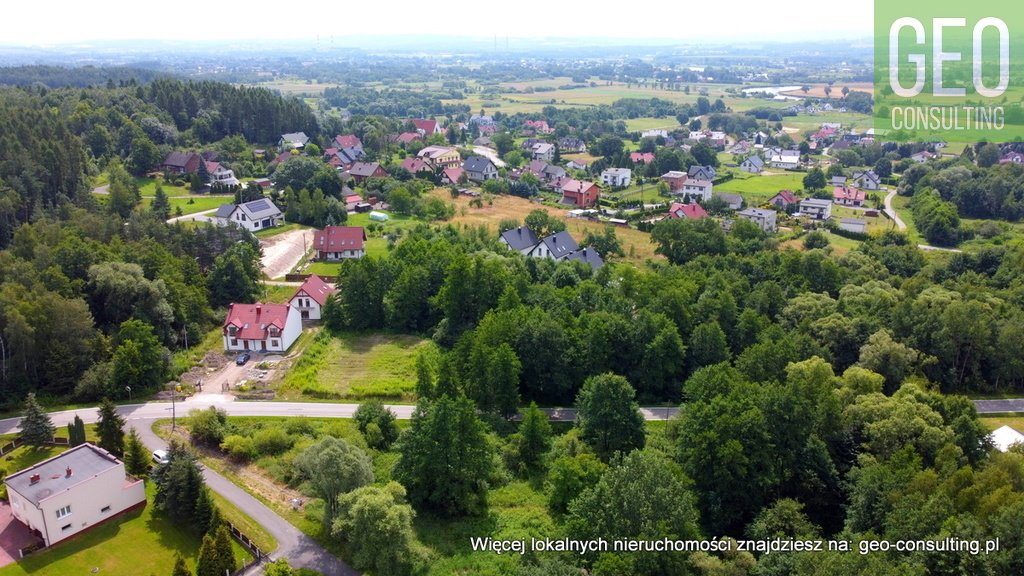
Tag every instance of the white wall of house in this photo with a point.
(303, 303)
(83, 505)
(342, 255)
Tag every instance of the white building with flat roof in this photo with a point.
(72, 492)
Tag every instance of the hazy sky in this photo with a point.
(40, 22)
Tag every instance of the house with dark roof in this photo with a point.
(701, 173)
(588, 256)
(753, 164)
(72, 493)
(816, 208)
(555, 247)
(480, 169)
(521, 239)
(309, 299)
(571, 145)
(261, 327)
(360, 171)
(867, 180)
(855, 225)
(294, 140)
(181, 163)
(336, 243)
(416, 165)
(256, 215)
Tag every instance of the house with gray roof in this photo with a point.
(72, 492)
(753, 164)
(702, 172)
(253, 216)
(521, 239)
(555, 247)
(765, 219)
(734, 201)
(587, 255)
(480, 169)
(296, 140)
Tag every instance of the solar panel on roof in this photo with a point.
(258, 205)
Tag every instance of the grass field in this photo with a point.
(758, 189)
(268, 232)
(636, 244)
(641, 124)
(901, 204)
(190, 205)
(323, 268)
(804, 122)
(1013, 421)
(818, 90)
(356, 366)
(877, 224)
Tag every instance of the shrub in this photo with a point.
(239, 447)
(208, 426)
(300, 427)
(272, 441)
(373, 412)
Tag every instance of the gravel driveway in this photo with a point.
(282, 252)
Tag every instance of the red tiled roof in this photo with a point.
(348, 141)
(788, 197)
(454, 173)
(406, 137)
(414, 165)
(253, 320)
(353, 199)
(428, 126)
(338, 238)
(641, 157)
(691, 211)
(315, 288)
(848, 193)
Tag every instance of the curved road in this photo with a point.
(902, 226)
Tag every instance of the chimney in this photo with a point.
(33, 479)
(258, 309)
(68, 472)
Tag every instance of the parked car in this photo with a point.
(160, 456)
(242, 358)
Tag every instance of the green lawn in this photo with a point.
(1013, 421)
(901, 204)
(323, 268)
(141, 543)
(182, 360)
(641, 124)
(878, 224)
(758, 189)
(356, 366)
(147, 187)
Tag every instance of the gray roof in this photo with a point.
(476, 164)
(260, 209)
(695, 170)
(756, 161)
(296, 138)
(838, 180)
(560, 244)
(364, 169)
(588, 255)
(758, 213)
(729, 197)
(224, 211)
(816, 202)
(85, 462)
(856, 221)
(869, 174)
(520, 238)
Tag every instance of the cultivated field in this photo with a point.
(818, 90)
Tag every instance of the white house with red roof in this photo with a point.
(339, 243)
(261, 327)
(310, 298)
(689, 211)
(426, 127)
(848, 196)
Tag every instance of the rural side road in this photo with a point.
(902, 226)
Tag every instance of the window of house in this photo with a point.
(105, 509)
(64, 511)
(65, 527)
(274, 343)
(234, 341)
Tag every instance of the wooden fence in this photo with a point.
(302, 277)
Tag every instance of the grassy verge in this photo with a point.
(182, 360)
(268, 232)
(1013, 420)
